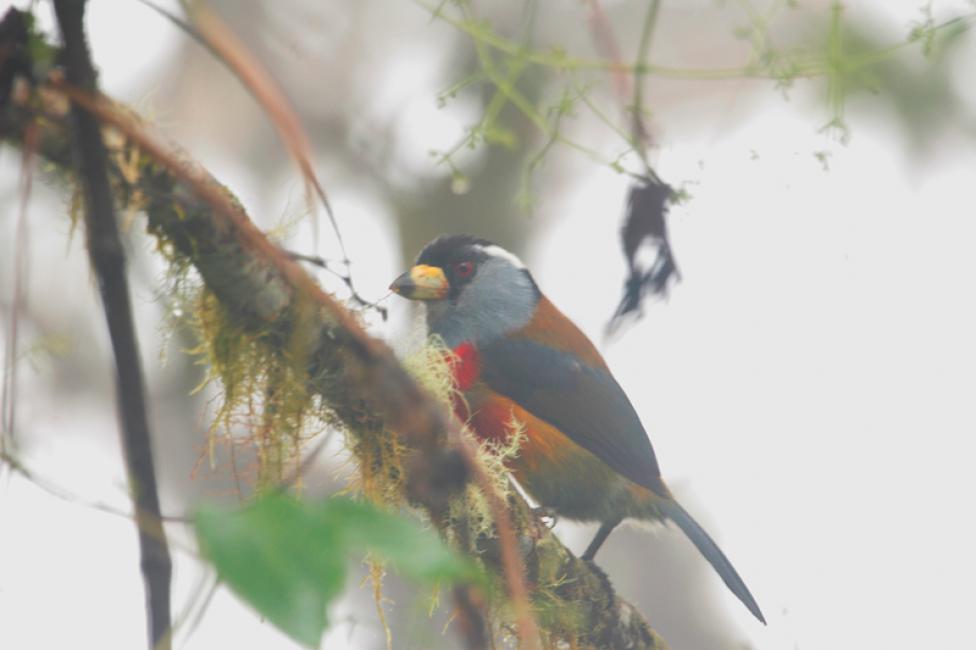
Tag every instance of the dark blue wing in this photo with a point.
(585, 403)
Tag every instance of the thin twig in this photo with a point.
(629, 94)
(641, 134)
(326, 265)
(189, 30)
(204, 606)
(606, 44)
(8, 409)
(67, 496)
(108, 260)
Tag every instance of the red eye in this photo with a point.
(464, 269)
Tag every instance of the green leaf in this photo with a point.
(279, 561)
(288, 558)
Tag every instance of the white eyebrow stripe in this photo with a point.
(498, 251)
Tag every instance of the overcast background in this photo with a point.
(808, 385)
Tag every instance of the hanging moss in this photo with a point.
(263, 397)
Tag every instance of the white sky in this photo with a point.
(808, 386)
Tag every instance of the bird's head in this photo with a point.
(474, 290)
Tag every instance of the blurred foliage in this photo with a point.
(468, 201)
(849, 58)
(912, 76)
(288, 558)
(920, 93)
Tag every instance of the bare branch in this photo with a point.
(108, 260)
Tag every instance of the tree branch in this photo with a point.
(108, 260)
(357, 375)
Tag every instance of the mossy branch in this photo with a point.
(357, 377)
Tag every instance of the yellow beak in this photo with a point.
(422, 282)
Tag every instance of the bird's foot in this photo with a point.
(601, 536)
(545, 514)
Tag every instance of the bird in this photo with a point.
(585, 455)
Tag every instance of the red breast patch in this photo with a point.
(466, 366)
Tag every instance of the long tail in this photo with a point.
(713, 554)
